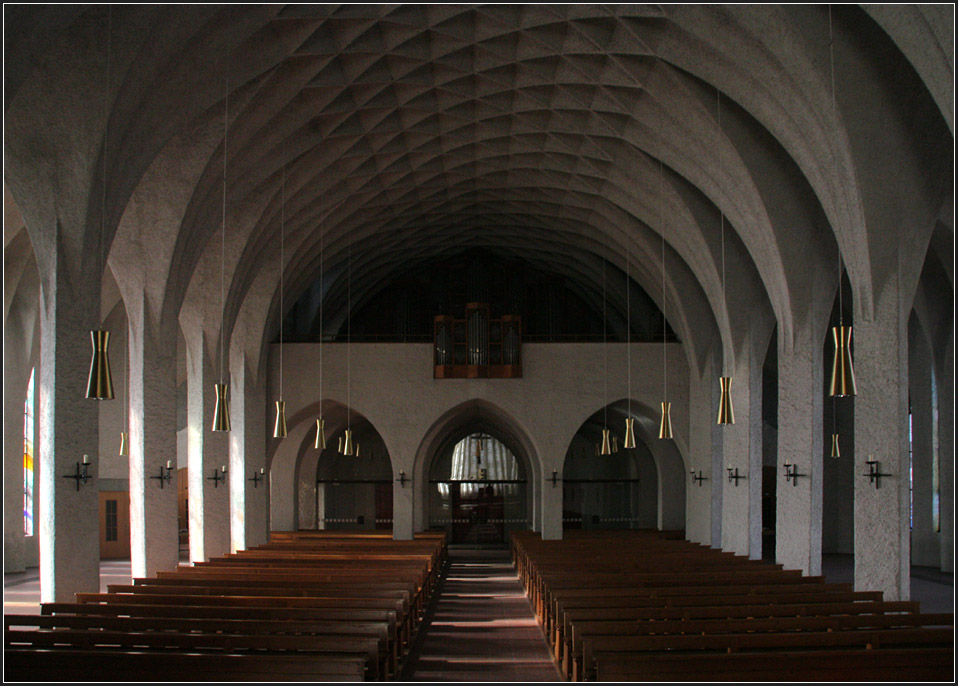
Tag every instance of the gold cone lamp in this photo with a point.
(357, 450)
(606, 443)
(339, 447)
(629, 441)
(320, 443)
(348, 443)
(615, 443)
(726, 414)
(665, 426)
(100, 384)
(279, 428)
(124, 443)
(836, 452)
(843, 373)
(221, 411)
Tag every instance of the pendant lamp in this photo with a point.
(100, 382)
(726, 414)
(221, 410)
(279, 427)
(347, 447)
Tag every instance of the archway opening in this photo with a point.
(354, 492)
(477, 488)
(616, 491)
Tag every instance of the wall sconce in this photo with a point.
(874, 472)
(82, 472)
(734, 476)
(698, 477)
(402, 479)
(218, 476)
(555, 478)
(258, 476)
(791, 473)
(166, 473)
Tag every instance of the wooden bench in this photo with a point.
(885, 665)
(630, 616)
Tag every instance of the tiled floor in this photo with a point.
(481, 628)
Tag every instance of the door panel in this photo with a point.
(114, 525)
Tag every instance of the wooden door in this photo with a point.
(114, 525)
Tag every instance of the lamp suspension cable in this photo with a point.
(843, 370)
(100, 381)
(279, 429)
(665, 425)
(726, 414)
(221, 414)
(320, 441)
(606, 448)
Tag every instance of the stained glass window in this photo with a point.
(28, 459)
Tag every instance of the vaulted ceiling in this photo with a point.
(381, 137)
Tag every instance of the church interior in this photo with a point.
(637, 320)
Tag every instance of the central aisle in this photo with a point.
(482, 628)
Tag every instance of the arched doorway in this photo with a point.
(476, 499)
(354, 491)
(477, 490)
(638, 488)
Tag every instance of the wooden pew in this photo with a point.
(885, 665)
(628, 616)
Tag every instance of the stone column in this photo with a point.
(882, 545)
(249, 500)
(208, 451)
(946, 453)
(16, 376)
(742, 448)
(69, 523)
(798, 512)
(154, 541)
(403, 503)
(925, 550)
(698, 504)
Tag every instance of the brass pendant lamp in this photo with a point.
(726, 413)
(279, 427)
(221, 410)
(100, 382)
(665, 425)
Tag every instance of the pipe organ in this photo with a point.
(477, 346)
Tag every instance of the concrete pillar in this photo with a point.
(798, 513)
(69, 522)
(925, 550)
(403, 504)
(306, 485)
(154, 541)
(208, 451)
(16, 376)
(249, 500)
(882, 559)
(946, 453)
(742, 448)
(698, 525)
